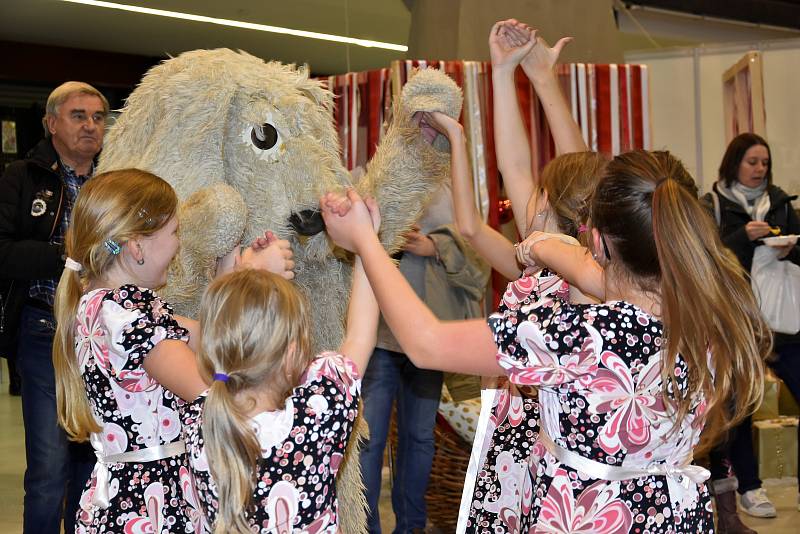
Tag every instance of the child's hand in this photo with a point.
(541, 60)
(347, 227)
(526, 251)
(276, 257)
(340, 205)
(262, 242)
(443, 123)
(509, 42)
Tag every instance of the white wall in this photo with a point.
(686, 103)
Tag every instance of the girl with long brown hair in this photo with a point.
(556, 201)
(626, 386)
(267, 439)
(123, 359)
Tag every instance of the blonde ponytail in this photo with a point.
(72, 405)
(255, 327)
(233, 452)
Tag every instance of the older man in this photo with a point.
(36, 199)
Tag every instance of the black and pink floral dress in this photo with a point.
(597, 369)
(115, 331)
(302, 447)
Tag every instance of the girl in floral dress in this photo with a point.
(625, 386)
(266, 440)
(123, 359)
(556, 201)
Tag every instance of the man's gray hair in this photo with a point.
(60, 95)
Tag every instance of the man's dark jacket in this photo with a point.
(25, 250)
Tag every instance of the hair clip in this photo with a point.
(222, 377)
(582, 229)
(112, 246)
(143, 214)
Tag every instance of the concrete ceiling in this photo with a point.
(54, 22)
(65, 24)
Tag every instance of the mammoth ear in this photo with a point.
(212, 221)
(174, 122)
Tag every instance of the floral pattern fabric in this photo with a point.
(114, 332)
(597, 369)
(302, 447)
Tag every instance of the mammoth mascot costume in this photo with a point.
(250, 146)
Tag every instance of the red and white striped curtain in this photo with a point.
(610, 103)
(362, 102)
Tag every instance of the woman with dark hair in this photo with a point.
(626, 393)
(748, 207)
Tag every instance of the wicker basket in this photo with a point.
(450, 460)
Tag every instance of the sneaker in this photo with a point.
(756, 503)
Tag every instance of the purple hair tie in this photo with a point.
(222, 377)
(582, 229)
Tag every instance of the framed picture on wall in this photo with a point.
(743, 97)
(9, 137)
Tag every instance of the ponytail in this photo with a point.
(72, 404)
(232, 450)
(255, 328)
(709, 313)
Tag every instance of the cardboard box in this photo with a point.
(769, 405)
(775, 442)
(787, 405)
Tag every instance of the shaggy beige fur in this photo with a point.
(196, 120)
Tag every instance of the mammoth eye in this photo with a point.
(264, 136)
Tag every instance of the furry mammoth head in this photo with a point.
(210, 117)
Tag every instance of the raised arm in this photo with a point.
(458, 346)
(512, 146)
(361, 328)
(539, 67)
(563, 255)
(490, 244)
(362, 320)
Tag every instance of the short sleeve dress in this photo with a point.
(597, 369)
(302, 447)
(115, 331)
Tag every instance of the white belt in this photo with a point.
(683, 474)
(102, 475)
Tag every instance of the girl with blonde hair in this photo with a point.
(267, 439)
(123, 359)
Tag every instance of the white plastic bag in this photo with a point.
(777, 287)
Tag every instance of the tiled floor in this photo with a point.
(12, 466)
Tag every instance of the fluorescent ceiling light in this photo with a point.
(240, 24)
